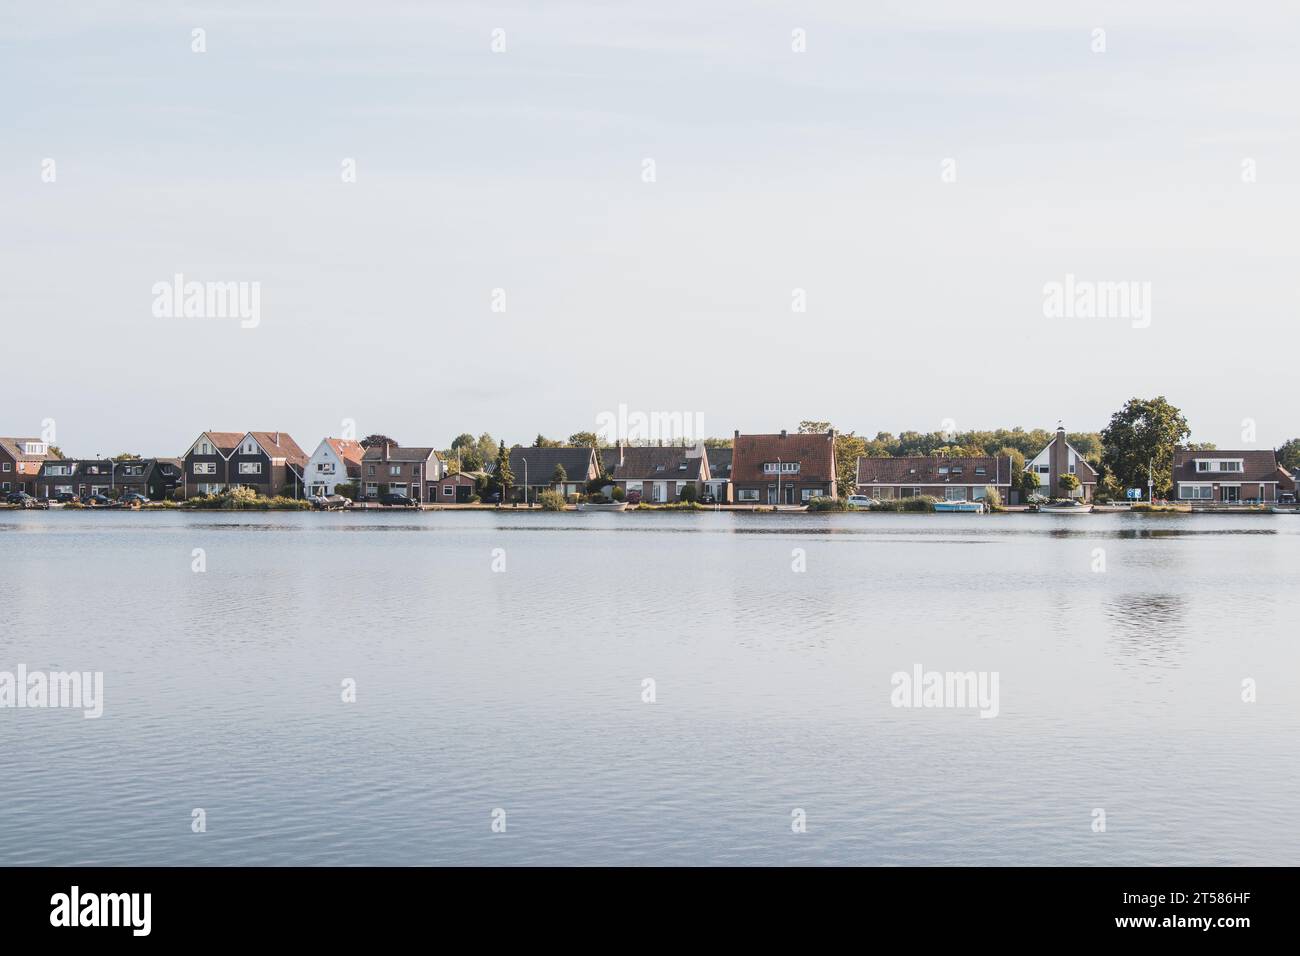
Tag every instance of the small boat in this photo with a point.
(1064, 508)
(965, 507)
(602, 506)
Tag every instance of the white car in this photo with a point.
(860, 501)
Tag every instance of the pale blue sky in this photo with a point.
(522, 170)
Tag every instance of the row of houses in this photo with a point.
(770, 469)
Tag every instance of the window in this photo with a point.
(205, 468)
(250, 467)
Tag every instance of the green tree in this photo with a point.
(505, 478)
(1142, 434)
(1288, 456)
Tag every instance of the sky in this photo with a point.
(917, 175)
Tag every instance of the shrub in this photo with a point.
(827, 504)
(551, 500)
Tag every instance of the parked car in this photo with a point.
(96, 501)
(396, 500)
(860, 501)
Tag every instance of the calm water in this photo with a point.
(522, 689)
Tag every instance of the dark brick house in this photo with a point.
(950, 479)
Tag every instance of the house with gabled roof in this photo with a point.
(388, 468)
(949, 479)
(20, 463)
(655, 474)
(536, 466)
(783, 469)
(1059, 458)
(1229, 477)
(334, 462)
(268, 462)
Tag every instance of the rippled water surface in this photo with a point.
(522, 689)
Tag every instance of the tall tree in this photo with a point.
(505, 478)
(1142, 434)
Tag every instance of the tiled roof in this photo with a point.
(281, 445)
(1255, 466)
(398, 453)
(815, 454)
(654, 462)
(225, 442)
(348, 450)
(542, 461)
(719, 462)
(924, 470)
(14, 447)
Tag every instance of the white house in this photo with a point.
(334, 461)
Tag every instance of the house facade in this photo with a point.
(153, 478)
(783, 469)
(20, 463)
(267, 462)
(454, 489)
(536, 466)
(949, 479)
(392, 469)
(334, 462)
(718, 484)
(1059, 458)
(657, 475)
(1229, 477)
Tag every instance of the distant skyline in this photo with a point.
(916, 178)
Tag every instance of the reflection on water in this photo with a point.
(499, 660)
